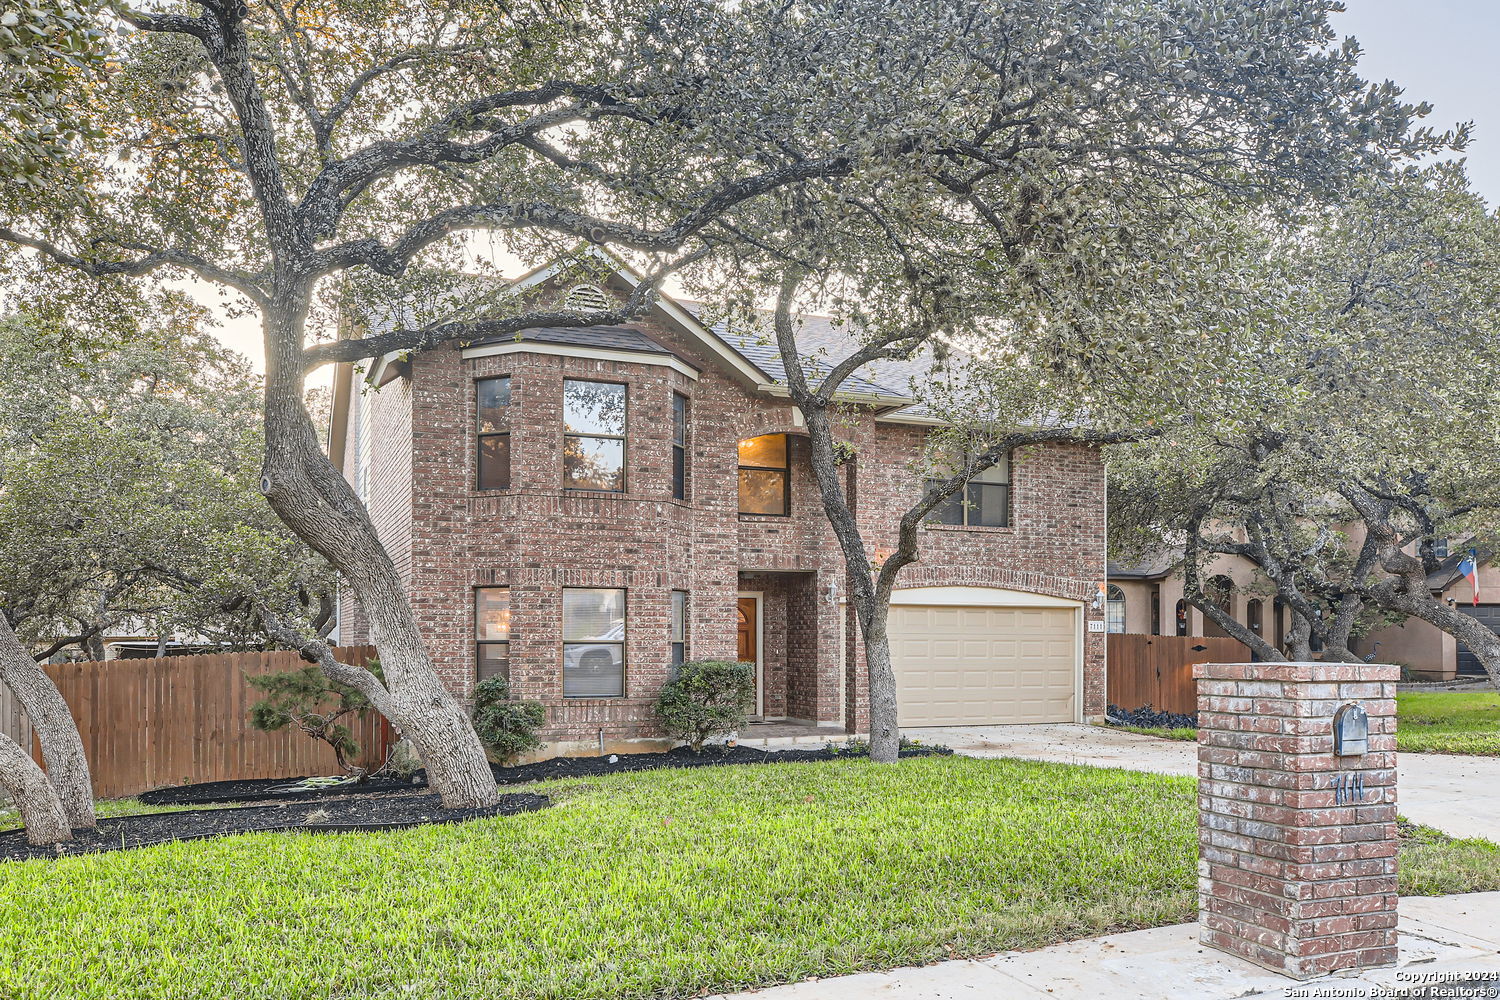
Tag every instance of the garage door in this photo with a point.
(1488, 614)
(984, 666)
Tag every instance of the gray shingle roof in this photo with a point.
(826, 344)
(618, 338)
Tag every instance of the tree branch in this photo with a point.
(153, 259)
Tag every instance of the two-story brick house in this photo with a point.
(580, 509)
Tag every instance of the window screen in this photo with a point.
(679, 628)
(593, 436)
(593, 643)
(493, 433)
(764, 474)
(679, 446)
(984, 502)
(492, 632)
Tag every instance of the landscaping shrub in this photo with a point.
(506, 728)
(708, 698)
(854, 747)
(308, 699)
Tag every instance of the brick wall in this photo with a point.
(537, 539)
(1297, 846)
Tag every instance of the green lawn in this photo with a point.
(1426, 722)
(104, 808)
(1186, 733)
(659, 884)
(1448, 722)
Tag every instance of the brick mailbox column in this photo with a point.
(1297, 842)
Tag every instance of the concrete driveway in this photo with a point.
(1458, 795)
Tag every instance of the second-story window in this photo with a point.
(493, 429)
(593, 436)
(984, 502)
(679, 446)
(765, 472)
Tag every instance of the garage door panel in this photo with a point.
(982, 666)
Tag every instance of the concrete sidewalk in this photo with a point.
(1443, 939)
(1457, 794)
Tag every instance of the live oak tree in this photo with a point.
(1066, 219)
(276, 148)
(1373, 432)
(128, 502)
(291, 151)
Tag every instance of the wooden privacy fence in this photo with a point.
(1157, 670)
(153, 722)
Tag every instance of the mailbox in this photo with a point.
(1351, 731)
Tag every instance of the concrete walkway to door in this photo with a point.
(1457, 794)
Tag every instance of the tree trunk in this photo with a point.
(870, 610)
(1299, 639)
(62, 746)
(318, 504)
(41, 810)
(885, 735)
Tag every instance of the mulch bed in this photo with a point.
(333, 814)
(1149, 718)
(280, 789)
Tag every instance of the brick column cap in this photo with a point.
(1309, 671)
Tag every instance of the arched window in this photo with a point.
(1182, 617)
(1219, 590)
(1114, 609)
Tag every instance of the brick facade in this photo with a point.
(537, 539)
(1297, 846)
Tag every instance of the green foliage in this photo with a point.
(506, 728)
(861, 748)
(130, 501)
(1448, 722)
(708, 698)
(52, 55)
(1381, 373)
(308, 700)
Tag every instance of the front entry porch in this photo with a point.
(789, 627)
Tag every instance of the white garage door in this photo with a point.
(984, 666)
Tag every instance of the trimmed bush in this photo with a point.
(506, 728)
(709, 698)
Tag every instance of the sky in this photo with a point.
(1443, 52)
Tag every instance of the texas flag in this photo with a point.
(1470, 568)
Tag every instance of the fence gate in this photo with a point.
(1157, 670)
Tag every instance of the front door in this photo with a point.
(748, 618)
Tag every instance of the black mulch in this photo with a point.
(281, 789)
(1149, 718)
(344, 814)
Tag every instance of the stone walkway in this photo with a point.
(1443, 939)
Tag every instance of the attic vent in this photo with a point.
(587, 298)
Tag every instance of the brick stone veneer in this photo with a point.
(1297, 846)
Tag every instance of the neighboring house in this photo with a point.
(580, 509)
(1147, 599)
